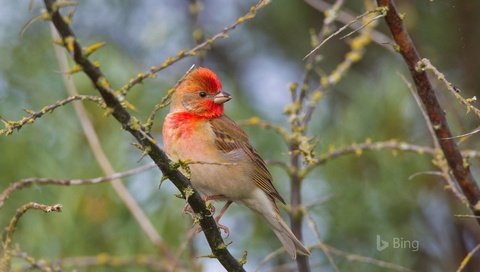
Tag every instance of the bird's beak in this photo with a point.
(222, 97)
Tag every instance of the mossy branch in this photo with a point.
(358, 150)
(11, 126)
(33, 263)
(132, 125)
(7, 236)
(425, 64)
(255, 121)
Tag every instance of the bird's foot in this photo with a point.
(187, 209)
(197, 229)
(224, 228)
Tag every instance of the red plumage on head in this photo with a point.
(206, 79)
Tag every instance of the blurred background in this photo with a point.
(367, 196)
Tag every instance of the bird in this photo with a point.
(229, 168)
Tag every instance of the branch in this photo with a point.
(379, 11)
(460, 168)
(338, 252)
(195, 50)
(438, 160)
(313, 226)
(367, 145)
(33, 263)
(315, 95)
(11, 126)
(24, 183)
(165, 101)
(7, 236)
(363, 259)
(282, 165)
(467, 258)
(133, 126)
(356, 53)
(346, 17)
(152, 263)
(357, 45)
(255, 121)
(430, 128)
(425, 64)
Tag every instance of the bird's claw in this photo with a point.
(226, 230)
(187, 209)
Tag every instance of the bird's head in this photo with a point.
(201, 94)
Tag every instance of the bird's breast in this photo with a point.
(187, 138)
(213, 171)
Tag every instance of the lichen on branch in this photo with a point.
(11, 126)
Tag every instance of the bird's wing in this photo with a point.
(230, 137)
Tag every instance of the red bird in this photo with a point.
(196, 129)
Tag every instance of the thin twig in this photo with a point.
(255, 121)
(475, 131)
(342, 29)
(364, 259)
(422, 110)
(152, 263)
(11, 126)
(433, 173)
(338, 252)
(317, 202)
(466, 216)
(425, 64)
(33, 263)
(280, 164)
(184, 245)
(346, 17)
(316, 231)
(467, 258)
(24, 183)
(165, 101)
(195, 50)
(7, 237)
(358, 149)
(268, 258)
(439, 159)
(356, 53)
(362, 26)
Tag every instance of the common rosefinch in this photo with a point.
(197, 130)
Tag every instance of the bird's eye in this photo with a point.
(202, 94)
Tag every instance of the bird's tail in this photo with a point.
(265, 206)
(291, 244)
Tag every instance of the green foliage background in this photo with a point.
(369, 194)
